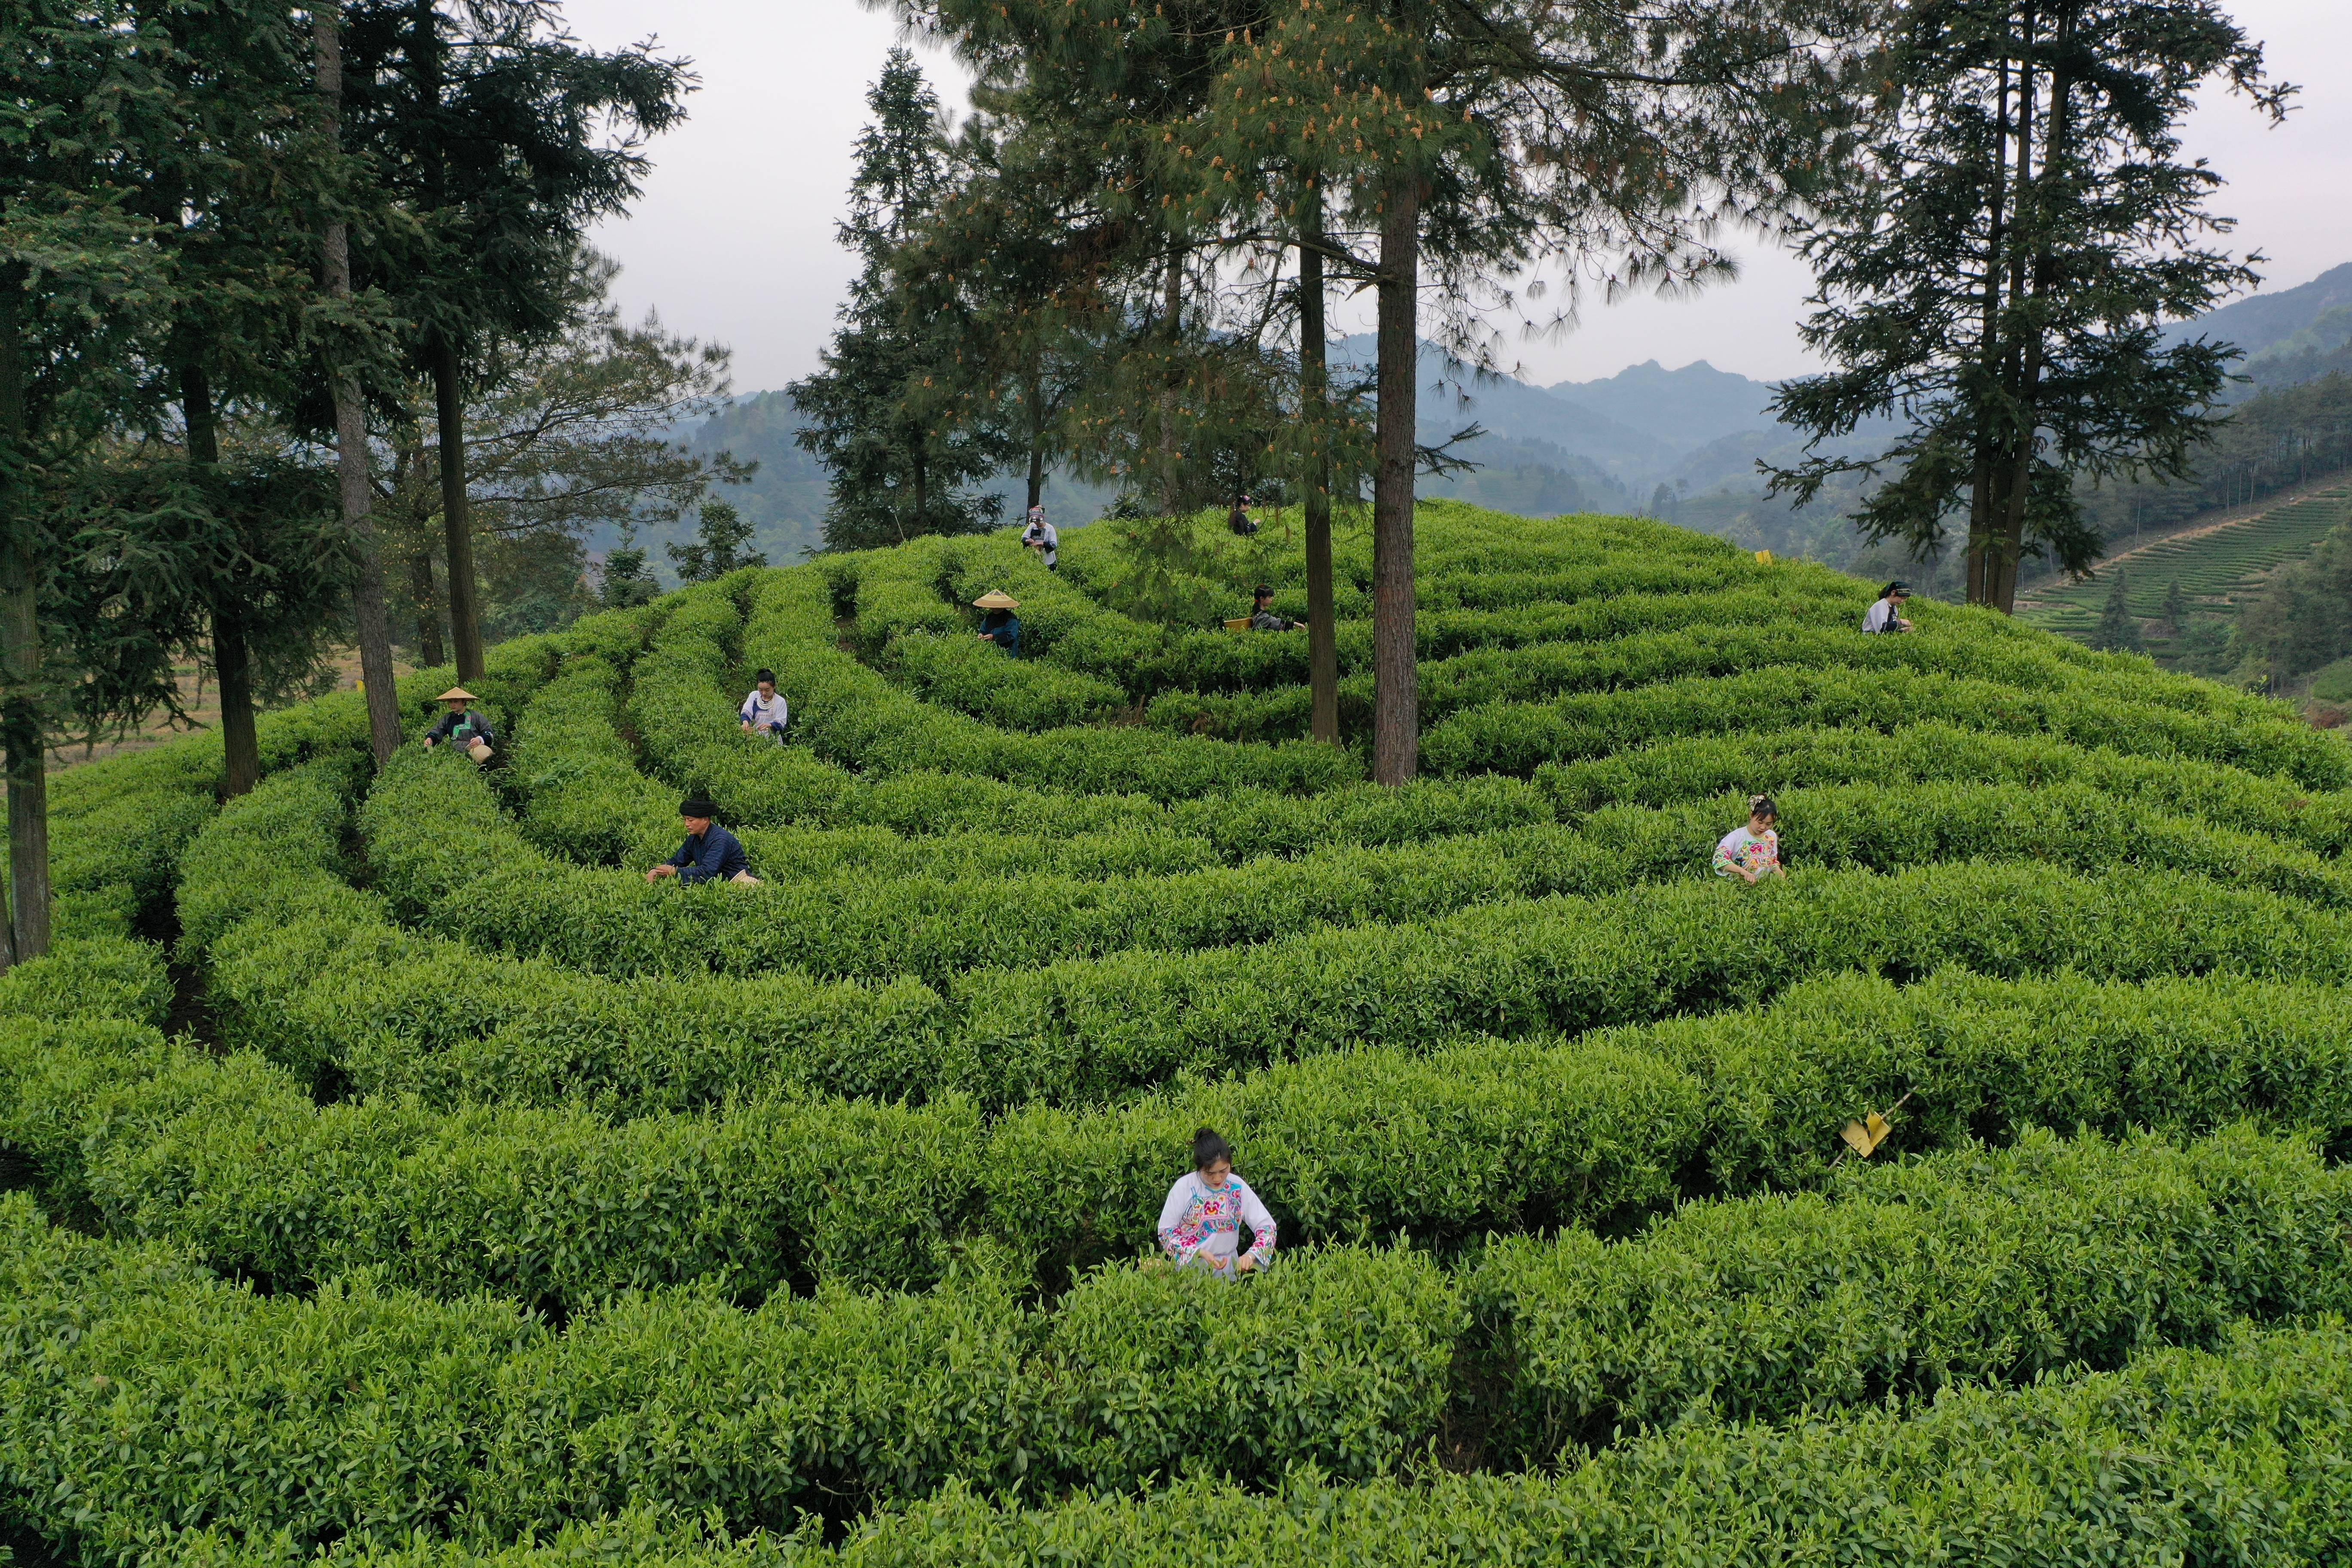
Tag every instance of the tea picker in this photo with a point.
(1261, 617)
(1042, 537)
(1000, 625)
(1200, 1225)
(764, 712)
(711, 853)
(462, 726)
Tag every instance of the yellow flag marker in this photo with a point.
(1865, 1136)
(1764, 558)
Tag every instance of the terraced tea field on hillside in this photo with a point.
(397, 1176)
(2214, 568)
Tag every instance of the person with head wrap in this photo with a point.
(711, 853)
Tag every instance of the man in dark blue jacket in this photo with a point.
(711, 853)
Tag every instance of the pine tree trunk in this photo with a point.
(429, 611)
(1396, 697)
(232, 662)
(457, 513)
(1982, 506)
(373, 626)
(1034, 396)
(1171, 496)
(27, 934)
(1314, 398)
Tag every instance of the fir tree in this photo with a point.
(720, 549)
(878, 414)
(2117, 631)
(1998, 277)
(504, 140)
(2176, 607)
(628, 582)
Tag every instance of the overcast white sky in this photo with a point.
(733, 239)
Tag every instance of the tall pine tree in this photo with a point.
(1998, 278)
(880, 413)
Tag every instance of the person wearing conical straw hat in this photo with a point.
(1000, 625)
(462, 726)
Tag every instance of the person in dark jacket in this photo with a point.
(711, 853)
(1000, 625)
(1262, 616)
(1241, 521)
(462, 726)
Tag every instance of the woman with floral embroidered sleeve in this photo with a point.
(1752, 853)
(1200, 1225)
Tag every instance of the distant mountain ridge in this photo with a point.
(1611, 443)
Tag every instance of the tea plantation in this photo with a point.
(396, 1176)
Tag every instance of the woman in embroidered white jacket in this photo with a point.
(1200, 1225)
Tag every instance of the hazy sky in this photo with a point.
(733, 239)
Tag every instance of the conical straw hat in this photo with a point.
(456, 694)
(997, 599)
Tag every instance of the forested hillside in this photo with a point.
(400, 1175)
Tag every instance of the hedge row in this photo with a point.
(1897, 1281)
(912, 623)
(315, 975)
(584, 800)
(2187, 1456)
(370, 1411)
(1699, 766)
(1518, 737)
(850, 715)
(233, 1156)
(143, 1398)
(450, 860)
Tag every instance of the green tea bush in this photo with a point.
(446, 856)
(1518, 737)
(2190, 1456)
(1897, 1280)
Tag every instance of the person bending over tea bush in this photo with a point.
(711, 853)
(1752, 853)
(463, 727)
(763, 712)
(1000, 625)
(1262, 616)
(1200, 1225)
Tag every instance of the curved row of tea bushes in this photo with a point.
(2233, 1456)
(362, 1409)
(233, 1156)
(584, 799)
(448, 859)
(315, 975)
(1897, 1280)
(848, 714)
(1518, 737)
(141, 1396)
(912, 623)
(1698, 767)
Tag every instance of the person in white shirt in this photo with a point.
(1752, 853)
(765, 712)
(1200, 1225)
(1040, 537)
(1885, 614)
